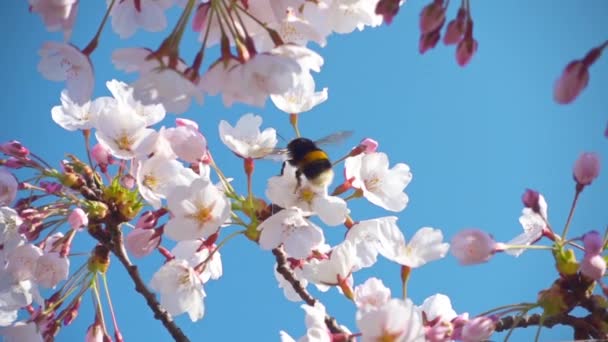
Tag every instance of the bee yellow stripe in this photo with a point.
(314, 155)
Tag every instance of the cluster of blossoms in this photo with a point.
(263, 53)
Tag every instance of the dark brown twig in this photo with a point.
(288, 274)
(579, 324)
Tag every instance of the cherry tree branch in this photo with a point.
(582, 325)
(287, 273)
(117, 247)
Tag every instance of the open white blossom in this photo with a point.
(198, 210)
(245, 138)
(186, 141)
(51, 268)
(397, 320)
(8, 187)
(158, 175)
(336, 270)
(283, 191)
(129, 15)
(366, 236)
(195, 252)
(151, 113)
(371, 295)
(65, 62)
(9, 228)
(316, 329)
(438, 306)
(289, 228)
(22, 331)
(302, 97)
(180, 288)
(426, 245)
(72, 116)
(22, 261)
(380, 185)
(344, 16)
(533, 225)
(56, 15)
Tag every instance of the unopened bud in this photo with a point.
(428, 41)
(586, 168)
(388, 9)
(432, 17)
(530, 200)
(594, 244)
(14, 149)
(466, 49)
(593, 266)
(78, 219)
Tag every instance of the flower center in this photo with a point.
(150, 181)
(124, 142)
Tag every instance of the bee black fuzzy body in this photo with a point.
(310, 161)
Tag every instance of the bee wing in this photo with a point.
(334, 138)
(278, 154)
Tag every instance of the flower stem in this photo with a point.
(406, 271)
(571, 214)
(93, 43)
(293, 120)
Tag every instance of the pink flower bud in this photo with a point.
(456, 29)
(432, 17)
(199, 22)
(51, 187)
(147, 220)
(571, 83)
(141, 242)
(428, 41)
(388, 9)
(594, 244)
(186, 141)
(530, 200)
(8, 187)
(369, 145)
(472, 246)
(593, 266)
(586, 168)
(440, 332)
(478, 329)
(78, 219)
(465, 50)
(14, 163)
(128, 181)
(94, 333)
(14, 149)
(102, 156)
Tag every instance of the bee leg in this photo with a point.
(299, 180)
(283, 168)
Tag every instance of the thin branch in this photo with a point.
(288, 274)
(159, 312)
(579, 324)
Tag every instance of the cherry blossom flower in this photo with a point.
(332, 210)
(14, 295)
(245, 139)
(371, 295)
(586, 168)
(51, 268)
(380, 185)
(9, 228)
(438, 306)
(344, 16)
(72, 116)
(152, 113)
(289, 228)
(397, 320)
(316, 330)
(302, 97)
(159, 175)
(22, 331)
(141, 242)
(121, 130)
(198, 210)
(473, 246)
(129, 15)
(426, 245)
(8, 187)
(478, 329)
(187, 141)
(56, 15)
(64, 62)
(195, 252)
(180, 288)
(336, 270)
(593, 266)
(22, 261)
(157, 82)
(366, 236)
(78, 219)
(534, 225)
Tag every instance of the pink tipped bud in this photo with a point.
(8, 187)
(428, 41)
(432, 17)
(14, 149)
(14, 163)
(388, 9)
(466, 50)
(102, 156)
(594, 244)
(94, 333)
(78, 219)
(200, 17)
(127, 181)
(571, 83)
(369, 145)
(586, 168)
(147, 220)
(593, 266)
(478, 329)
(472, 246)
(456, 29)
(530, 200)
(141, 242)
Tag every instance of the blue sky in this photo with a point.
(474, 137)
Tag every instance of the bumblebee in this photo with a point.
(310, 160)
